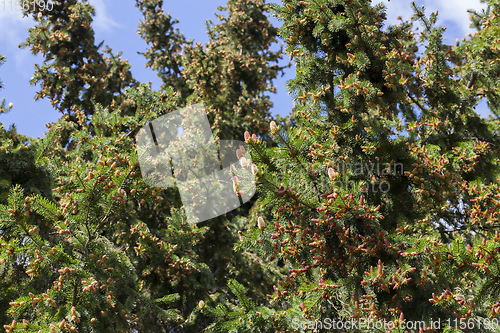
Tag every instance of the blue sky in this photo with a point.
(116, 23)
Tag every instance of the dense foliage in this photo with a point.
(377, 200)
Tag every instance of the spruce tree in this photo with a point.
(76, 72)
(166, 44)
(231, 75)
(17, 168)
(378, 204)
(109, 251)
(382, 194)
(234, 71)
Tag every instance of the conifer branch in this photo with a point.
(301, 165)
(420, 106)
(293, 197)
(81, 181)
(472, 80)
(264, 158)
(75, 291)
(26, 232)
(108, 213)
(357, 25)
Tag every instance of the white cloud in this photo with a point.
(450, 13)
(14, 28)
(102, 20)
(12, 24)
